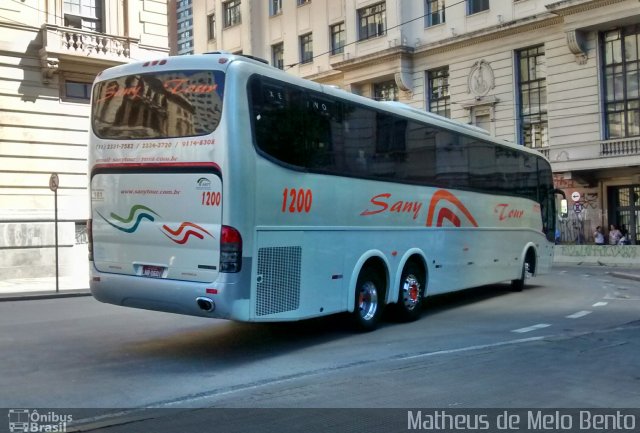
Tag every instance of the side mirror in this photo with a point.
(564, 209)
(564, 206)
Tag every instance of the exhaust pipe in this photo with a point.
(206, 304)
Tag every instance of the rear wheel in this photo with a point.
(369, 300)
(411, 293)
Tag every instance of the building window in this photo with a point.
(277, 55)
(439, 98)
(624, 210)
(337, 38)
(186, 24)
(385, 91)
(303, 2)
(83, 14)
(275, 7)
(306, 48)
(475, 6)
(211, 26)
(372, 21)
(435, 12)
(185, 47)
(184, 15)
(532, 92)
(622, 82)
(231, 13)
(77, 90)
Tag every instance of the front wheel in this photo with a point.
(369, 300)
(526, 273)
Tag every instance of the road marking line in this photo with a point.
(600, 304)
(531, 328)
(470, 348)
(579, 314)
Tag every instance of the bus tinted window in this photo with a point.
(158, 105)
(293, 126)
(309, 130)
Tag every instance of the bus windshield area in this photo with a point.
(158, 105)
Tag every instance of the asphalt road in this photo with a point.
(570, 340)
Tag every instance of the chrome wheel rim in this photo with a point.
(527, 271)
(410, 292)
(368, 300)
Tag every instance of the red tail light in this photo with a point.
(230, 250)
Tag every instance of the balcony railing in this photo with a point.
(543, 150)
(66, 40)
(621, 147)
(59, 42)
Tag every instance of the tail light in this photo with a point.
(90, 238)
(230, 250)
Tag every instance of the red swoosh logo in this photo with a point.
(187, 234)
(445, 212)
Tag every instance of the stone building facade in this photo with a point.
(50, 52)
(559, 76)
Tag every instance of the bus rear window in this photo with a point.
(158, 105)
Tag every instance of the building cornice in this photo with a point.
(323, 76)
(570, 7)
(389, 55)
(489, 34)
(18, 26)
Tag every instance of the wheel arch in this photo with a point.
(530, 251)
(377, 260)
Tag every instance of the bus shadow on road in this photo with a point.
(447, 301)
(226, 343)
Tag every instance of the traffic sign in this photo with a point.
(577, 207)
(54, 182)
(575, 196)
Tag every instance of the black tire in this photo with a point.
(527, 269)
(410, 293)
(369, 300)
(518, 285)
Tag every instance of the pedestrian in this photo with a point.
(598, 235)
(614, 235)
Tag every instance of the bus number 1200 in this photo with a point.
(211, 198)
(296, 200)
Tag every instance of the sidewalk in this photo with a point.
(42, 288)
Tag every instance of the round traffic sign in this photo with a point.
(575, 196)
(54, 182)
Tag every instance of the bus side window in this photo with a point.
(318, 148)
(419, 165)
(482, 164)
(452, 161)
(359, 146)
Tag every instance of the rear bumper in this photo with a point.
(230, 295)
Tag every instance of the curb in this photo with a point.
(634, 277)
(22, 296)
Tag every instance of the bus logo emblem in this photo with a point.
(445, 212)
(181, 238)
(137, 211)
(203, 183)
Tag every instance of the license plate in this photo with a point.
(152, 271)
